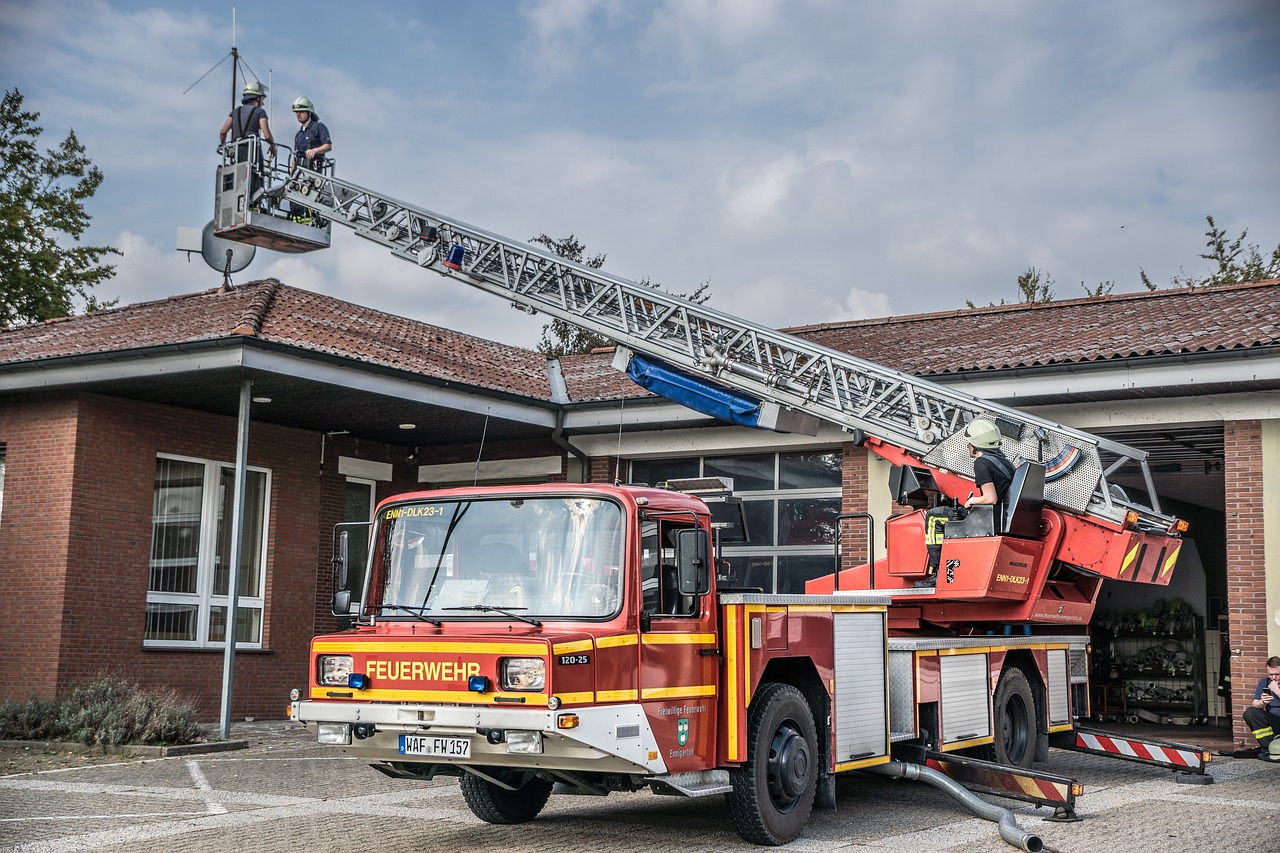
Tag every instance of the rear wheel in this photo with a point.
(1015, 721)
(773, 791)
(495, 804)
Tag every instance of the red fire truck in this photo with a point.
(575, 638)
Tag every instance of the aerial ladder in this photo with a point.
(771, 379)
(1085, 529)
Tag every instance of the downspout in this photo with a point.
(1009, 829)
(560, 396)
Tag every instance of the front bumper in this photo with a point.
(612, 739)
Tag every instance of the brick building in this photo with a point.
(118, 434)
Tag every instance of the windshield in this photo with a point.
(536, 557)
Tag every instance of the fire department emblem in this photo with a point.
(682, 731)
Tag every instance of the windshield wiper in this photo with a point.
(416, 611)
(505, 611)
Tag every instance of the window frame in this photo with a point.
(205, 598)
(775, 496)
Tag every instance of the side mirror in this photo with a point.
(341, 556)
(693, 562)
(341, 605)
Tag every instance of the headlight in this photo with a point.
(529, 743)
(333, 670)
(524, 674)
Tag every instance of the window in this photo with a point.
(3, 453)
(659, 589)
(791, 502)
(189, 578)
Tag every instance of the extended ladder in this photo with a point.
(920, 416)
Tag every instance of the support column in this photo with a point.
(855, 496)
(233, 559)
(1252, 484)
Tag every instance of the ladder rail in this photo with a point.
(855, 394)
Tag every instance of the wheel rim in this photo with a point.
(789, 766)
(1014, 730)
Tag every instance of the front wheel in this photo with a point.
(773, 791)
(495, 804)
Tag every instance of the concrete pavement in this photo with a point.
(285, 793)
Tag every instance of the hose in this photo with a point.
(1009, 829)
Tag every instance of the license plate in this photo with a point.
(437, 747)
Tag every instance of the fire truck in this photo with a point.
(577, 638)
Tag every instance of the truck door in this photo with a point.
(679, 659)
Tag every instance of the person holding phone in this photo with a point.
(1263, 714)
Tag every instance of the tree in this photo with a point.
(560, 337)
(1236, 261)
(42, 200)
(1103, 288)
(1032, 288)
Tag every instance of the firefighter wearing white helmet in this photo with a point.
(992, 473)
(312, 142)
(992, 470)
(248, 119)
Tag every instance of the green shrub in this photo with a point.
(35, 719)
(110, 710)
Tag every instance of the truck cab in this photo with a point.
(572, 626)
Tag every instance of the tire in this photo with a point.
(1016, 726)
(494, 804)
(773, 792)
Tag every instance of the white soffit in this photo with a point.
(493, 469)
(364, 469)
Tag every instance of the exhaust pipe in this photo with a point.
(1009, 829)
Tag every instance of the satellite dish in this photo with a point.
(215, 250)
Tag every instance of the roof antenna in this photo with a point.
(617, 456)
(476, 478)
(235, 67)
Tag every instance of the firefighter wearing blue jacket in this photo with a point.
(1263, 714)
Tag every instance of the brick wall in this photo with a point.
(1246, 566)
(853, 498)
(77, 522)
(604, 468)
(39, 441)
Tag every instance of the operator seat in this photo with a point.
(1026, 498)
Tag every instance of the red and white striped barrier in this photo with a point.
(1178, 756)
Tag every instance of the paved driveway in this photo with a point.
(285, 793)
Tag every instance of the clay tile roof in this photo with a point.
(1127, 325)
(274, 312)
(590, 378)
(1094, 330)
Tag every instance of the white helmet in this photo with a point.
(983, 434)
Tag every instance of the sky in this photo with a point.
(811, 160)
